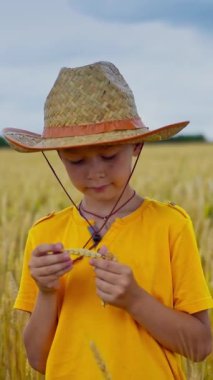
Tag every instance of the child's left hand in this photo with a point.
(115, 282)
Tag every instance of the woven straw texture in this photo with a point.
(89, 105)
(88, 95)
(25, 142)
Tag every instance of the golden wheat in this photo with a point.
(179, 173)
(100, 362)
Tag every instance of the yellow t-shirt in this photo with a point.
(157, 241)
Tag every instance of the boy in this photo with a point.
(147, 301)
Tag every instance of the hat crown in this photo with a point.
(90, 94)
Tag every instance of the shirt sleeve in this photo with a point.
(190, 290)
(27, 293)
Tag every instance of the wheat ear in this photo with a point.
(87, 253)
(84, 252)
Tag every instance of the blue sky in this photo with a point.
(163, 48)
(177, 12)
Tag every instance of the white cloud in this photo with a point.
(169, 68)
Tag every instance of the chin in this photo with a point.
(102, 195)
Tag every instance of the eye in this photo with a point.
(77, 162)
(108, 158)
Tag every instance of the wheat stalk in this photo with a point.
(100, 362)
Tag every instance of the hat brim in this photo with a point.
(25, 141)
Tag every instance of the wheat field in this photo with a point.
(168, 172)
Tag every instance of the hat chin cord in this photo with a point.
(95, 234)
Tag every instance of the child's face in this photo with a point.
(99, 172)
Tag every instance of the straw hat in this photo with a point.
(89, 105)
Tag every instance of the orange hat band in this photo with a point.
(91, 129)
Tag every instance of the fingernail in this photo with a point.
(58, 246)
(69, 264)
(67, 258)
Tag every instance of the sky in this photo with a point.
(164, 49)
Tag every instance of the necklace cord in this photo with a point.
(66, 192)
(81, 208)
(107, 218)
(112, 212)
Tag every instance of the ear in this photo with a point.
(137, 149)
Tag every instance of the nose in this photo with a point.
(95, 168)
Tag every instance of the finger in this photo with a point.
(103, 250)
(62, 271)
(106, 298)
(47, 279)
(55, 269)
(104, 286)
(106, 253)
(49, 259)
(44, 249)
(107, 265)
(107, 276)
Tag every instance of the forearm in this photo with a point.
(40, 330)
(177, 331)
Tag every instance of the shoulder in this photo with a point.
(43, 218)
(168, 217)
(53, 217)
(167, 210)
(178, 209)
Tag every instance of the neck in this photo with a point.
(128, 202)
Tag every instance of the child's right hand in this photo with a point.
(46, 269)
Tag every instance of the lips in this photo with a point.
(99, 188)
